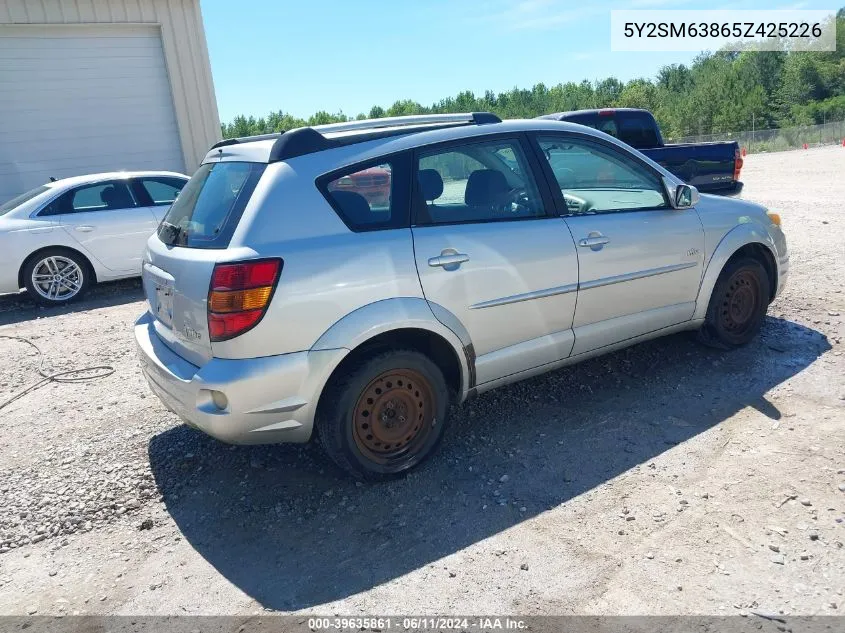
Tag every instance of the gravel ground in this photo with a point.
(663, 479)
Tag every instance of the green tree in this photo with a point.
(718, 92)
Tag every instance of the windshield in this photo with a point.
(208, 209)
(14, 203)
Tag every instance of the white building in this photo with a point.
(102, 85)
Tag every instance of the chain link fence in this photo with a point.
(777, 139)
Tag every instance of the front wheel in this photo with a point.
(385, 415)
(737, 306)
(56, 276)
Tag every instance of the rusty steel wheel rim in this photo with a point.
(393, 416)
(740, 302)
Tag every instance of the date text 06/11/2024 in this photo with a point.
(481, 624)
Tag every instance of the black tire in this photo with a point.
(62, 257)
(737, 306)
(404, 389)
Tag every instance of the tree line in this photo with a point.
(717, 93)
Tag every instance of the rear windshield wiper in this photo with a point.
(180, 235)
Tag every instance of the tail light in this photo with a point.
(239, 296)
(737, 163)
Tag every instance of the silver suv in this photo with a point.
(353, 280)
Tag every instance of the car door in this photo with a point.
(490, 250)
(640, 260)
(157, 193)
(106, 220)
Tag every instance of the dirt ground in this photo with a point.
(663, 479)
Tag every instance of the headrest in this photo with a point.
(354, 206)
(431, 184)
(484, 187)
(108, 196)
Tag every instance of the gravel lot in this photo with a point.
(664, 479)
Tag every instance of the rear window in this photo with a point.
(637, 131)
(208, 209)
(14, 203)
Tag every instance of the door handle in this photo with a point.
(85, 228)
(454, 260)
(593, 240)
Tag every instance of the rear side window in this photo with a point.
(208, 209)
(107, 196)
(372, 196)
(113, 195)
(477, 182)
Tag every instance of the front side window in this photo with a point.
(594, 178)
(477, 182)
(208, 209)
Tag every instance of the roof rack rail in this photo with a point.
(432, 120)
(307, 140)
(477, 118)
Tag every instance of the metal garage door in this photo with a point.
(83, 99)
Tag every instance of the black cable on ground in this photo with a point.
(83, 374)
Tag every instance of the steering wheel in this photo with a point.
(514, 201)
(574, 204)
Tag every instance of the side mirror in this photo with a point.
(682, 196)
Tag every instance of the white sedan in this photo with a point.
(58, 239)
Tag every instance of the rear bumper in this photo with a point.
(734, 189)
(268, 400)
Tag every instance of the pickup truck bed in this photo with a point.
(710, 167)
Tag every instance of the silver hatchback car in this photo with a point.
(353, 280)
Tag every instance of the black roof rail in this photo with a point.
(307, 140)
(245, 139)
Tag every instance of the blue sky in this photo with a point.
(348, 55)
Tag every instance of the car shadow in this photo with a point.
(20, 307)
(292, 531)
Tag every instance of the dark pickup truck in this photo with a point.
(710, 167)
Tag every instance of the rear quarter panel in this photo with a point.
(329, 271)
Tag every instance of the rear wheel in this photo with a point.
(385, 415)
(56, 275)
(737, 306)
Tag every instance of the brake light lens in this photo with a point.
(738, 162)
(606, 112)
(239, 296)
(245, 275)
